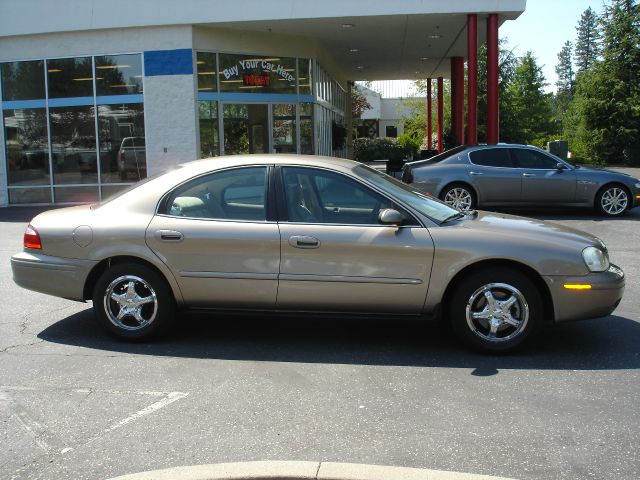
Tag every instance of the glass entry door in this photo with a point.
(246, 128)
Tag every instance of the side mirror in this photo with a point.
(560, 166)
(389, 216)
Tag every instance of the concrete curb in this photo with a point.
(280, 470)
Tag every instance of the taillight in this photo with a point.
(32, 238)
(122, 157)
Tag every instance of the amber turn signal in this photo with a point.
(577, 286)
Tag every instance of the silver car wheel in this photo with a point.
(459, 198)
(614, 201)
(497, 312)
(130, 303)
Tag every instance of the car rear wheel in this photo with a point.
(133, 302)
(495, 310)
(459, 196)
(612, 200)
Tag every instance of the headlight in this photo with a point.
(637, 185)
(596, 259)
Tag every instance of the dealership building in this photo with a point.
(97, 95)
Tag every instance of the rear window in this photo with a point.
(440, 157)
(491, 157)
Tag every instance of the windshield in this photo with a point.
(429, 206)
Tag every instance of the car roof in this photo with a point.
(225, 161)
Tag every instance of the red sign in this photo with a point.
(253, 80)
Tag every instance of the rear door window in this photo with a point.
(491, 157)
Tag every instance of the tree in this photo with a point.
(530, 105)
(565, 85)
(359, 102)
(610, 100)
(587, 49)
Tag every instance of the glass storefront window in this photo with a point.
(284, 127)
(206, 67)
(122, 146)
(27, 149)
(75, 194)
(23, 80)
(118, 74)
(208, 128)
(236, 128)
(256, 74)
(70, 77)
(29, 195)
(304, 76)
(73, 144)
(306, 128)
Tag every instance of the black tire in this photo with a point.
(151, 310)
(460, 196)
(503, 284)
(612, 200)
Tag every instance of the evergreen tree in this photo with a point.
(531, 106)
(588, 41)
(564, 84)
(609, 99)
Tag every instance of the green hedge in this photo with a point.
(370, 149)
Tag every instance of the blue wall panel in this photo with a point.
(168, 62)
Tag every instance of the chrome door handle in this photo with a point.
(170, 235)
(304, 241)
(528, 174)
(476, 173)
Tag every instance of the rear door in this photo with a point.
(216, 235)
(493, 175)
(335, 254)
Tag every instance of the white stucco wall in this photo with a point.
(170, 121)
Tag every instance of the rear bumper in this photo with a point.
(599, 301)
(61, 277)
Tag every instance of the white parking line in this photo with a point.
(169, 399)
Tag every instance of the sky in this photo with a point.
(543, 28)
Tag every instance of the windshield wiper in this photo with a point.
(455, 216)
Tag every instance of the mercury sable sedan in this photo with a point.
(301, 233)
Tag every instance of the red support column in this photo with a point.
(440, 113)
(492, 79)
(472, 78)
(429, 119)
(457, 98)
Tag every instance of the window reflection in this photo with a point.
(23, 80)
(206, 67)
(304, 76)
(75, 194)
(257, 74)
(73, 144)
(122, 147)
(284, 127)
(70, 77)
(29, 195)
(208, 128)
(27, 150)
(118, 74)
(306, 128)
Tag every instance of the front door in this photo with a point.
(542, 182)
(214, 235)
(246, 128)
(335, 255)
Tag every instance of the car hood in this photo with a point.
(529, 229)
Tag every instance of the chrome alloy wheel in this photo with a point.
(614, 201)
(130, 303)
(459, 198)
(497, 312)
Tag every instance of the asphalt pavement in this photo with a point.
(75, 403)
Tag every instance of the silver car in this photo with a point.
(520, 176)
(302, 233)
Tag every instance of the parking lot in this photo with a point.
(75, 403)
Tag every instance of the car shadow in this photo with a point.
(608, 343)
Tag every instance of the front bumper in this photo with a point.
(61, 277)
(599, 301)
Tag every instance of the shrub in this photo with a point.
(370, 149)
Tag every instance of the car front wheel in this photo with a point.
(495, 310)
(133, 302)
(612, 200)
